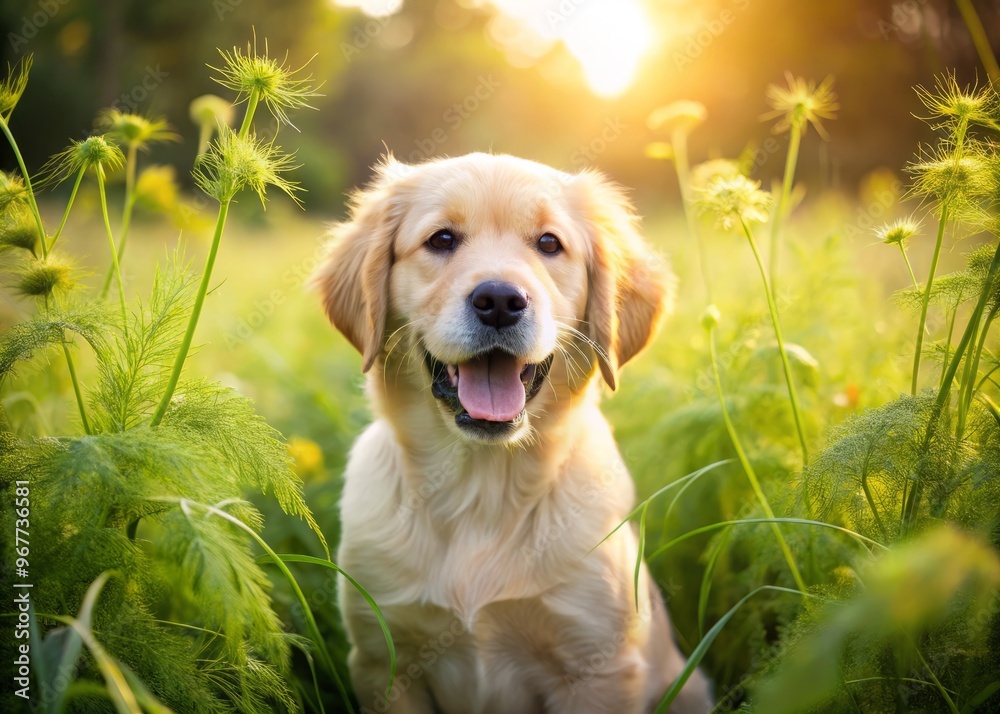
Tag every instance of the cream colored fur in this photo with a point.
(479, 554)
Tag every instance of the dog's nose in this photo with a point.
(498, 304)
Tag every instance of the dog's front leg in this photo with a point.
(610, 682)
(370, 678)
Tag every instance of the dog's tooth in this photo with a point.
(453, 374)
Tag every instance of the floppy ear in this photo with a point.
(630, 288)
(353, 279)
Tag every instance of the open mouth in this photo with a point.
(488, 392)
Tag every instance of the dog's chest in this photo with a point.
(494, 535)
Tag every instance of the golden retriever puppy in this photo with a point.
(486, 294)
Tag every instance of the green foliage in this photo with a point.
(909, 620)
(140, 525)
(931, 595)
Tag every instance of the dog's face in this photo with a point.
(498, 275)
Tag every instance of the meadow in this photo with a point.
(820, 509)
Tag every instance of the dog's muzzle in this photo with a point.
(489, 392)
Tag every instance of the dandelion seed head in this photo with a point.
(211, 109)
(236, 162)
(41, 278)
(704, 173)
(21, 233)
(134, 129)
(13, 193)
(97, 151)
(954, 107)
(277, 85)
(959, 178)
(711, 317)
(801, 103)
(733, 200)
(898, 231)
(13, 86)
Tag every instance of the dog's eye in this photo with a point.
(548, 243)
(442, 240)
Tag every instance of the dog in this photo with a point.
(486, 293)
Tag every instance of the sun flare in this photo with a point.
(607, 37)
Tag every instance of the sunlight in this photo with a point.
(374, 8)
(607, 37)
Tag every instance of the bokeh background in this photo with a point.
(570, 83)
(551, 75)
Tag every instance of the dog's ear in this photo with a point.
(630, 288)
(353, 278)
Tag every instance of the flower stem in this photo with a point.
(910, 509)
(927, 299)
(111, 243)
(27, 185)
(980, 39)
(45, 254)
(248, 117)
(791, 160)
(130, 168)
(204, 138)
(909, 268)
(947, 342)
(199, 301)
(937, 682)
(747, 468)
(796, 412)
(76, 389)
(206, 277)
(682, 166)
(968, 387)
(69, 204)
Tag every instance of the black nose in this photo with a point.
(498, 304)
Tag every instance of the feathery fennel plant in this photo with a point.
(143, 573)
(19, 191)
(895, 519)
(896, 472)
(954, 175)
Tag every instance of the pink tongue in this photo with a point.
(490, 387)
